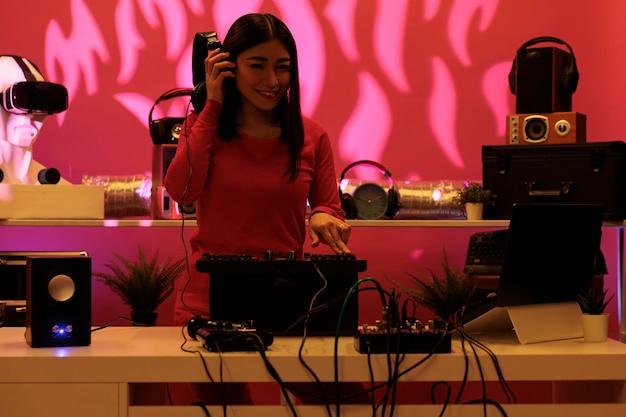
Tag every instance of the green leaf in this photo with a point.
(443, 296)
(144, 283)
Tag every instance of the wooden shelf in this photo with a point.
(177, 223)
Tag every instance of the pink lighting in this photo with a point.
(417, 86)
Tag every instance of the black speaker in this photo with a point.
(162, 156)
(58, 301)
(162, 206)
(167, 129)
(543, 79)
(348, 203)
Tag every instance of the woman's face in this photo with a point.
(263, 75)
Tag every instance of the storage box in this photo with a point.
(58, 201)
(587, 173)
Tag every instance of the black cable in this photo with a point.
(300, 357)
(115, 321)
(255, 340)
(475, 344)
(447, 397)
(465, 337)
(203, 407)
(505, 387)
(182, 227)
(487, 401)
(223, 387)
(351, 292)
(219, 387)
(510, 395)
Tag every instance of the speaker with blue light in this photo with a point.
(58, 301)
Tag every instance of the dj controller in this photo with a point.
(279, 292)
(272, 262)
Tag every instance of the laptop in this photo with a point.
(550, 254)
(285, 296)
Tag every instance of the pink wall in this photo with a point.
(417, 86)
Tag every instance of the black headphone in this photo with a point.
(347, 202)
(167, 130)
(569, 76)
(203, 43)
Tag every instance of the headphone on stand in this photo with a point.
(568, 80)
(348, 203)
(167, 130)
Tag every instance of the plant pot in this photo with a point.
(595, 327)
(474, 211)
(144, 318)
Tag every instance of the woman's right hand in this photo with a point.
(217, 68)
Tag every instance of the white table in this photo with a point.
(97, 380)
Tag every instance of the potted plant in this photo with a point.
(473, 197)
(444, 296)
(593, 301)
(143, 284)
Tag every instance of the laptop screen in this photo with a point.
(550, 252)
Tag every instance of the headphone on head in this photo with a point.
(167, 130)
(568, 80)
(347, 201)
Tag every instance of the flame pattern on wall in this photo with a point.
(381, 63)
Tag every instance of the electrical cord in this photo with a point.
(115, 321)
(475, 342)
(475, 345)
(203, 407)
(447, 397)
(220, 387)
(300, 357)
(255, 340)
(351, 292)
(182, 228)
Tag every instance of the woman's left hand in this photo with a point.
(330, 230)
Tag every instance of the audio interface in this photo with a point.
(402, 341)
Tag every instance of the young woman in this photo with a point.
(250, 160)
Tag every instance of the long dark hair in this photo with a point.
(248, 31)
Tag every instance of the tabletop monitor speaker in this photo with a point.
(58, 301)
(546, 128)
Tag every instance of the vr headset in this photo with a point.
(35, 97)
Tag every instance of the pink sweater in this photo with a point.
(244, 204)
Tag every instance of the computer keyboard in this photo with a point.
(485, 253)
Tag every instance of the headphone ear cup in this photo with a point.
(569, 78)
(348, 205)
(198, 96)
(393, 203)
(512, 76)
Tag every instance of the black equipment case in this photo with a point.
(580, 173)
